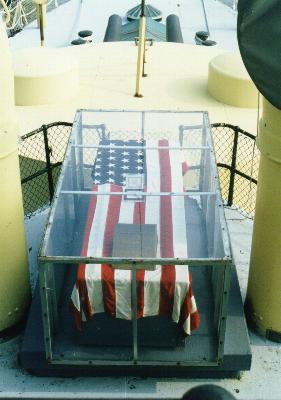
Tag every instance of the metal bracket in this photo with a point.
(149, 40)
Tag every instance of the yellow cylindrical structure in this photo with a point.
(263, 302)
(44, 76)
(230, 83)
(14, 280)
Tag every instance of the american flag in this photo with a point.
(113, 163)
(164, 291)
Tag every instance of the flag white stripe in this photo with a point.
(152, 216)
(96, 237)
(179, 231)
(122, 278)
(95, 247)
(75, 298)
(178, 209)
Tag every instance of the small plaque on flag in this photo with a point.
(134, 241)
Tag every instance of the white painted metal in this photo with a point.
(75, 16)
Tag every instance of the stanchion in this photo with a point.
(141, 51)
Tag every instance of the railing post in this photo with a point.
(233, 168)
(141, 51)
(48, 162)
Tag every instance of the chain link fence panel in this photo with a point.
(23, 12)
(41, 154)
(238, 162)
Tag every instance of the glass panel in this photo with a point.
(130, 225)
(190, 333)
(90, 313)
(83, 319)
(114, 161)
(136, 185)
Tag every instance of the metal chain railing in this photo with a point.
(41, 154)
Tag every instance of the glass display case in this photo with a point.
(135, 263)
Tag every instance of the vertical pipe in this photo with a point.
(141, 49)
(144, 74)
(42, 39)
(263, 300)
(143, 8)
(135, 311)
(48, 163)
(233, 168)
(14, 278)
(44, 12)
(205, 17)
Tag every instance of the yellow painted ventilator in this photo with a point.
(263, 302)
(39, 81)
(230, 83)
(14, 280)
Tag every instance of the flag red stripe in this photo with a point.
(195, 321)
(185, 311)
(139, 218)
(108, 284)
(166, 227)
(185, 168)
(168, 274)
(81, 283)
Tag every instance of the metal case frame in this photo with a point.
(221, 266)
